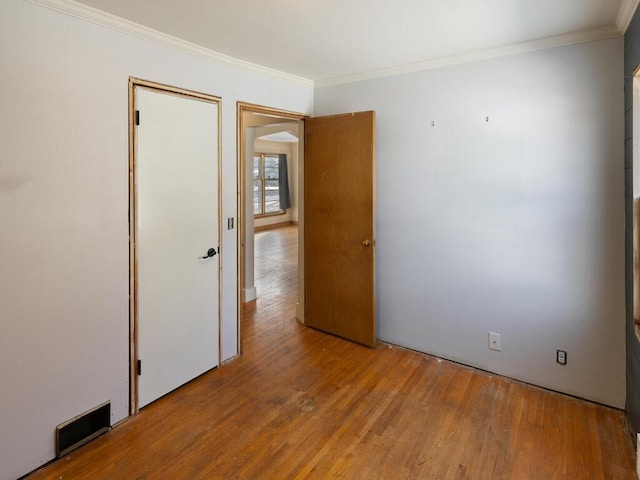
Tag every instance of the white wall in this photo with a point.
(249, 292)
(513, 225)
(64, 345)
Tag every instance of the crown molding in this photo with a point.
(600, 33)
(103, 19)
(625, 14)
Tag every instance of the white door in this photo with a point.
(177, 224)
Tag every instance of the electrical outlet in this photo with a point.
(561, 357)
(495, 342)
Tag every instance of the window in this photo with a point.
(266, 184)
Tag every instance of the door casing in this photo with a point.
(243, 107)
(133, 277)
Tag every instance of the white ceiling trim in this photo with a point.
(600, 33)
(625, 14)
(98, 17)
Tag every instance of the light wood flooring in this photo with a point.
(300, 404)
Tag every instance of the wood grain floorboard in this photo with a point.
(301, 404)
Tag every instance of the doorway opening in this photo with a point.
(336, 219)
(270, 219)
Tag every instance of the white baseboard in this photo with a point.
(249, 294)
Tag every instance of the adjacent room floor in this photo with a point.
(302, 404)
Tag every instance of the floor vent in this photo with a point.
(83, 428)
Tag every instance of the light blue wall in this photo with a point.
(513, 225)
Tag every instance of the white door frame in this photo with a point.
(243, 107)
(133, 277)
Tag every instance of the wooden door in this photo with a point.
(177, 240)
(339, 236)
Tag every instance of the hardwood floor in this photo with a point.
(302, 404)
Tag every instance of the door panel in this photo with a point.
(339, 182)
(177, 222)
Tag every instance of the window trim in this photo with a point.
(635, 193)
(262, 156)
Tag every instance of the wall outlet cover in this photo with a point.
(561, 357)
(495, 342)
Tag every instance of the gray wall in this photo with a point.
(631, 61)
(515, 225)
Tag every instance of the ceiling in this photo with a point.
(325, 39)
(283, 137)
